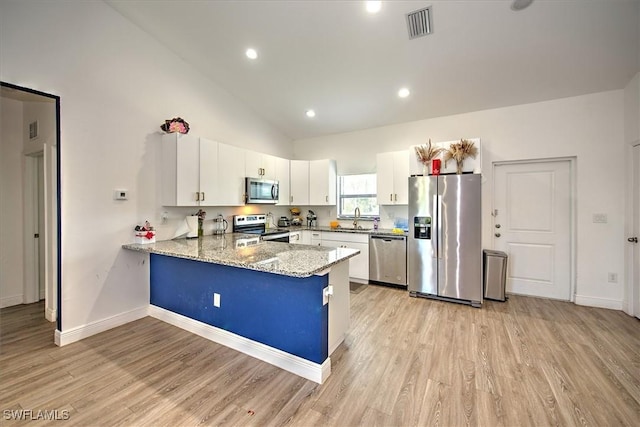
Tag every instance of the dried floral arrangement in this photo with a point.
(427, 152)
(459, 151)
(177, 124)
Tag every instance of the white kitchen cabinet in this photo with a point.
(393, 177)
(316, 238)
(299, 182)
(259, 165)
(282, 175)
(470, 164)
(322, 182)
(305, 237)
(231, 174)
(189, 170)
(359, 264)
(295, 237)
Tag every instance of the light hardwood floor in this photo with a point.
(405, 362)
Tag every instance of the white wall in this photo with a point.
(11, 211)
(588, 127)
(117, 85)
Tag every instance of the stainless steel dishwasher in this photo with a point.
(388, 260)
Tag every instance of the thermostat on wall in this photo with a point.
(120, 194)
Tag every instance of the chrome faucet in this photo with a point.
(356, 215)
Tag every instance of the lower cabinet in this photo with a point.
(358, 265)
(300, 237)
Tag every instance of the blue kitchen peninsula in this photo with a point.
(285, 304)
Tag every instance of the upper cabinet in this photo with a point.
(313, 182)
(189, 170)
(282, 175)
(299, 182)
(393, 178)
(470, 164)
(231, 174)
(259, 165)
(322, 182)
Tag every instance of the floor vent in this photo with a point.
(419, 23)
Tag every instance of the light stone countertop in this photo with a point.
(236, 250)
(366, 230)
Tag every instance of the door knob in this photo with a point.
(632, 239)
(497, 225)
(498, 234)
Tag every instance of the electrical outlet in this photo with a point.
(120, 194)
(600, 218)
(613, 277)
(216, 300)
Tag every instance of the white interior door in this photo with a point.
(532, 224)
(633, 239)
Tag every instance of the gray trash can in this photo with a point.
(495, 274)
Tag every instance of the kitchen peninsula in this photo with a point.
(285, 304)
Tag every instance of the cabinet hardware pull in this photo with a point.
(396, 197)
(390, 197)
(197, 196)
(326, 199)
(202, 196)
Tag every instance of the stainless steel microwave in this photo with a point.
(263, 191)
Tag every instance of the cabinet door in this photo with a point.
(269, 166)
(208, 172)
(322, 182)
(384, 178)
(282, 175)
(253, 164)
(299, 184)
(359, 264)
(305, 237)
(401, 177)
(180, 170)
(231, 175)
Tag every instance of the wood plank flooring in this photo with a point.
(405, 362)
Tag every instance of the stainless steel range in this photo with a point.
(257, 224)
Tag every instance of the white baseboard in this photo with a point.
(356, 280)
(76, 334)
(51, 314)
(10, 301)
(312, 371)
(612, 304)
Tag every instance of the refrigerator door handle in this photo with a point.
(439, 225)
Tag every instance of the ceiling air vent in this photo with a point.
(419, 23)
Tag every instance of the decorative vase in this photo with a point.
(425, 169)
(459, 166)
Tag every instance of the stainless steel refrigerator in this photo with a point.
(444, 250)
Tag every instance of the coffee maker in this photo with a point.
(312, 219)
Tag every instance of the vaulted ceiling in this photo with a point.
(348, 65)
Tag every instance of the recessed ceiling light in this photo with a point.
(310, 113)
(251, 53)
(374, 6)
(403, 93)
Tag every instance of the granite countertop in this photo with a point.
(244, 251)
(366, 230)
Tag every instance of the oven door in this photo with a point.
(276, 237)
(262, 191)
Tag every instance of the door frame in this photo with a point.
(632, 291)
(53, 271)
(572, 209)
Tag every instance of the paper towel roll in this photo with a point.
(192, 223)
